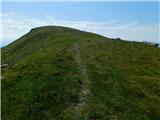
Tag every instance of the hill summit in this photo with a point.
(59, 73)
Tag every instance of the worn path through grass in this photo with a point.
(84, 81)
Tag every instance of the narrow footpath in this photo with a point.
(84, 83)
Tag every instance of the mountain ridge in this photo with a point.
(51, 68)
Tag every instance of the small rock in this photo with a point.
(4, 65)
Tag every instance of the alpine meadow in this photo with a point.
(61, 73)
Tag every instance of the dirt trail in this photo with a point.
(84, 89)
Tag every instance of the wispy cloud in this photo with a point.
(15, 25)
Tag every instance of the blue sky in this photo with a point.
(91, 16)
(142, 12)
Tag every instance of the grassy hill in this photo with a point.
(58, 73)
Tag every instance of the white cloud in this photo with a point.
(15, 25)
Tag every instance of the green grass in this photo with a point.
(41, 81)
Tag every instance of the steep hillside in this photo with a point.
(58, 73)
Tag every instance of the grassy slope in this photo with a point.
(41, 81)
